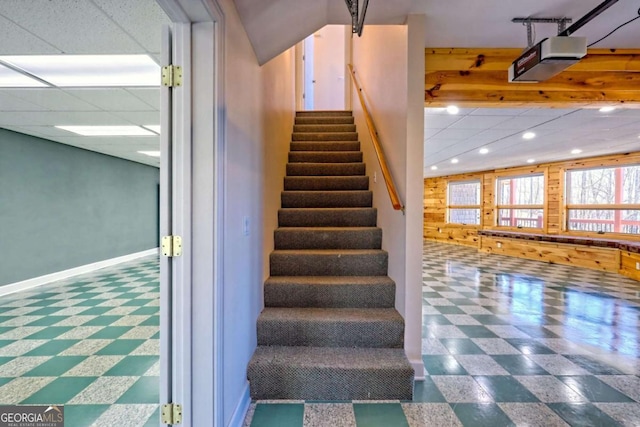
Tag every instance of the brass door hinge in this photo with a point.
(172, 76)
(171, 246)
(171, 413)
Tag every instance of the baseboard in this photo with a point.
(88, 268)
(241, 408)
(418, 368)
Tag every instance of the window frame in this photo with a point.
(449, 206)
(543, 207)
(566, 207)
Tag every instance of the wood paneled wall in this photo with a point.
(478, 77)
(436, 227)
(435, 195)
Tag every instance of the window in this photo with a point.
(464, 202)
(604, 199)
(520, 201)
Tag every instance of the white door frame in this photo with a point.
(193, 295)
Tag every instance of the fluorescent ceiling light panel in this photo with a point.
(11, 78)
(528, 135)
(90, 70)
(108, 130)
(150, 153)
(454, 161)
(607, 109)
(154, 128)
(484, 150)
(434, 168)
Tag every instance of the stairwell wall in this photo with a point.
(259, 108)
(386, 60)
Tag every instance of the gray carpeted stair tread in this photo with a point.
(324, 113)
(325, 169)
(328, 238)
(327, 127)
(325, 146)
(331, 327)
(327, 199)
(324, 136)
(329, 291)
(319, 120)
(328, 262)
(330, 373)
(319, 183)
(328, 217)
(325, 156)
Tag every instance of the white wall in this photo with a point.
(259, 112)
(387, 63)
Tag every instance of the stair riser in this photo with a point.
(325, 136)
(365, 217)
(324, 113)
(325, 128)
(325, 146)
(325, 156)
(336, 120)
(326, 199)
(325, 169)
(371, 334)
(328, 264)
(334, 183)
(334, 239)
(329, 296)
(321, 383)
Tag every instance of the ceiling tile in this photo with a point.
(139, 117)
(507, 112)
(478, 122)
(147, 31)
(18, 41)
(52, 99)
(149, 95)
(456, 134)
(440, 122)
(9, 102)
(521, 123)
(93, 31)
(74, 118)
(110, 99)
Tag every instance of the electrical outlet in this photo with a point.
(439, 230)
(499, 245)
(637, 265)
(375, 177)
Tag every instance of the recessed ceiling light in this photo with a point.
(452, 109)
(454, 161)
(89, 70)
(150, 153)
(607, 109)
(528, 135)
(153, 128)
(576, 151)
(108, 130)
(434, 168)
(484, 150)
(531, 160)
(11, 78)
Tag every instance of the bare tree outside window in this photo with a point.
(463, 202)
(604, 200)
(520, 201)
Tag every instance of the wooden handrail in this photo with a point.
(382, 160)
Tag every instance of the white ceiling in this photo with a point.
(39, 27)
(487, 23)
(558, 131)
(133, 27)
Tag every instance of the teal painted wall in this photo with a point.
(63, 207)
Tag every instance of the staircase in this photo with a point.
(329, 330)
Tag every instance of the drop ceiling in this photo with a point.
(45, 27)
(558, 133)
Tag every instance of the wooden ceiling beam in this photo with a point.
(478, 77)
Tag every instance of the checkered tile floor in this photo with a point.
(506, 341)
(90, 343)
